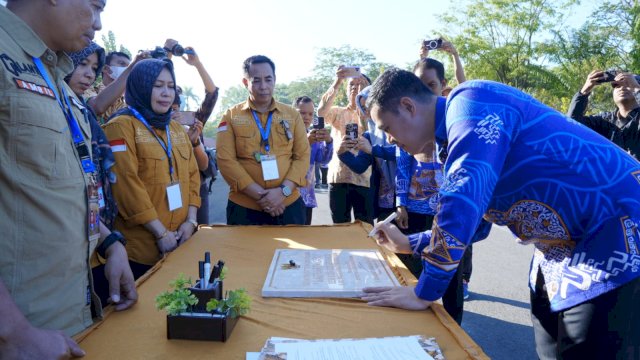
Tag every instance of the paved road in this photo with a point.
(496, 314)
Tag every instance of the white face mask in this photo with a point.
(116, 71)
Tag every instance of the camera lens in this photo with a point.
(177, 50)
(433, 44)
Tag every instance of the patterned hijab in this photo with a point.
(78, 56)
(139, 86)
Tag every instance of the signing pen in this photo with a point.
(389, 219)
(201, 272)
(207, 270)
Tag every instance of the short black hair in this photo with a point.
(111, 54)
(429, 63)
(394, 84)
(257, 59)
(302, 100)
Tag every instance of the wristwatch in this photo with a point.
(112, 238)
(286, 191)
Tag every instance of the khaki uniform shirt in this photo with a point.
(142, 173)
(339, 173)
(239, 140)
(44, 247)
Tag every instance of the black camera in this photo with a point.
(432, 44)
(158, 53)
(608, 76)
(178, 50)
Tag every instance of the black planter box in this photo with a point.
(199, 324)
(198, 327)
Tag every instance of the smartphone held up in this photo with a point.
(351, 71)
(432, 44)
(351, 131)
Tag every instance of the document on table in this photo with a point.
(337, 273)
(391, 348)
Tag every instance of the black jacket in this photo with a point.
(627, 137)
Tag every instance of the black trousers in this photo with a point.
(453, 298)
(607, 327)
(309, 215)
(203, 211)
(294, 214)
(346, 197)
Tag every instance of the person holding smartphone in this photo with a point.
(348, 190)
(621, 126)
(321, 150)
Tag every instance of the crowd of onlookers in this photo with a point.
(87, 214)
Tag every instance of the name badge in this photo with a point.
(174, 196)
(101, 201)
(269, 167)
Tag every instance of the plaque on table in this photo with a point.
(336, 273)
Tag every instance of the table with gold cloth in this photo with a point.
(140, 333)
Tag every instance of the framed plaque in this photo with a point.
(337, 273)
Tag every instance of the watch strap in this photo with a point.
(110, 240)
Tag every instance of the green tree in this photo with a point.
(188, 94)
(329, 58)
(110, 44)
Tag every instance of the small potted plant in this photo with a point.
(187, 320)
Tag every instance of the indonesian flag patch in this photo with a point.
(222, 126)
(118, 145)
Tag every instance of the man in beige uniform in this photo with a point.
(45, 291)
(263, 153)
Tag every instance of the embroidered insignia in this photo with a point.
(35, 88)
(222, 126)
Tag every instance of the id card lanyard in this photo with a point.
(267, 162)
(78, 139)
(173, 190)
(167, 148)
(93, 190)
(264, 132)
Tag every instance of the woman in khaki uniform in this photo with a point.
(158, 180)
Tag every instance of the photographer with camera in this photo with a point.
(621, 126)
(205, 159)
(108, 97)
(446, 46)
(349, 190)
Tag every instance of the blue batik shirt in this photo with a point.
(552, 181)
(417, 183)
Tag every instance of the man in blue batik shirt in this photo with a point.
(552, 181)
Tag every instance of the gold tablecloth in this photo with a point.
(140, 333)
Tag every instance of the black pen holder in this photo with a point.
(204, 295)
(199, 324)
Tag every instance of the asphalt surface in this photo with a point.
(497, 312)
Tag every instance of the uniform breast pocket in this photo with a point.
(42, 145)
(153, 165)
(283, 138)
(247, 141)
(182, 161)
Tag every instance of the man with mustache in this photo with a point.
(263, 153)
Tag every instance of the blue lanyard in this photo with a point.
(81, 146)
(264, 133)
(167, 147)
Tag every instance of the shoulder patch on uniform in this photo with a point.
(118, 145)
(35, 88)
(222, 126)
